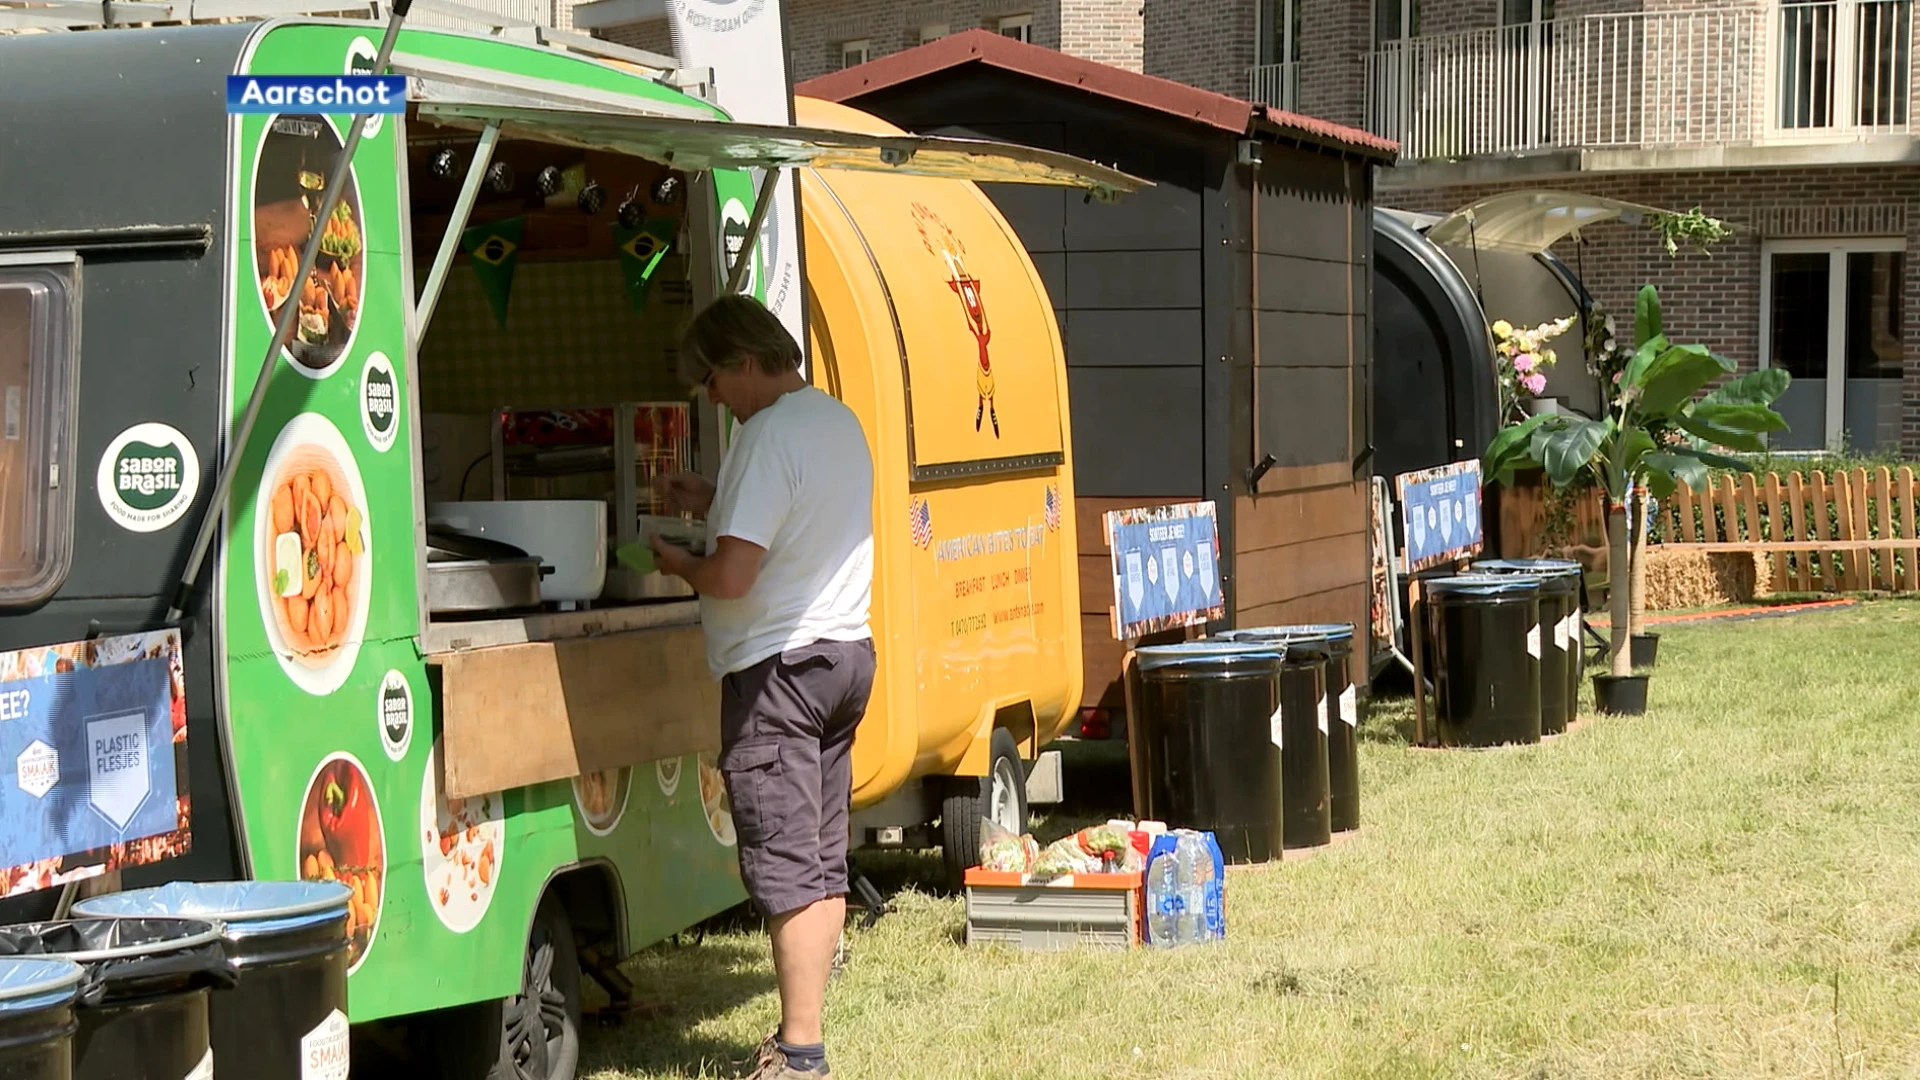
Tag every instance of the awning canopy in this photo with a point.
(695, 144)
(1530, 222)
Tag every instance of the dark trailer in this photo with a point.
(1216, 325)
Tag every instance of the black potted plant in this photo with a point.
(1657, 433)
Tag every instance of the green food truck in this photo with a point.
(344, 609)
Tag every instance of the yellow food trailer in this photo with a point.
(931, 322)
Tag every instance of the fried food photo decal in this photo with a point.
(340, 840)
(317, 538)
(341, 236)
(277, 285)
(315, 320)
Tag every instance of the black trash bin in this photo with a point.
(36, 1018)
(1342, 713)
(1484, 635)
(1560, 660)
(286, 1016)
(1201, 743)
(143, 999)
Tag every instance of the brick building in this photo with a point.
(1792, 120)
(1789, 120)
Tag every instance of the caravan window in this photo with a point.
(38, 307)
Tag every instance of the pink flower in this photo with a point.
(1535, 383)
(1525, 362)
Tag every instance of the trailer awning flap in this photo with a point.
(694, 144)
(1530, 222)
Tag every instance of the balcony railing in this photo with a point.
(1837, 69)
(1275, 85)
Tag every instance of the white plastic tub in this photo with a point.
(569, 535)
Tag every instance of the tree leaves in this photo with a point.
(1643, 359)
(1511, 449)
(1676, 375)
(1751, 418)
(1572, 448)
(1754, 388)
(1646, 316)
(1663, 468)
(1715, 435)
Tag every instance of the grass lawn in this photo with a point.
(1728, 887)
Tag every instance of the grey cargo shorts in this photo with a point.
(786, 752)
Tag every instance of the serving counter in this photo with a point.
(552, 696)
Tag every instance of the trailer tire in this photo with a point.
(1001, 795)
(488, 1040)
(540, 1026)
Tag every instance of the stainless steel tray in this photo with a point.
(483, 585)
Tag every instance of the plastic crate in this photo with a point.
(1102, 911)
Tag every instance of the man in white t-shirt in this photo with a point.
(784, 593)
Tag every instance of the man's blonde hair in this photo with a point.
(732, 332)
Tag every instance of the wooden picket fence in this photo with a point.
(1849, 531)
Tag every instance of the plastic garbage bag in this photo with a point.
(245, 907)
(133, 957)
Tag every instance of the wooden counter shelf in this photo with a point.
(553, 695)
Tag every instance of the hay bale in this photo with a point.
(1680, 578)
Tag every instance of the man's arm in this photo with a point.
(727, 574)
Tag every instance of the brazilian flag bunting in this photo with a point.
(495, 249)
(641, 252)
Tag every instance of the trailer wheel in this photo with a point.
(1000, 796)
(540, 1026)
(534, 1035)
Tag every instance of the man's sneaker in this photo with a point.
(773, 1066)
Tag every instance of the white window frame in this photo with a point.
(1263, 32)
(862, 46)
(1409, 15)
(934, 31)
(1843, 94)
(1837, 251)
(1021, 27)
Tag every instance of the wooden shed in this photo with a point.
(1211, 322)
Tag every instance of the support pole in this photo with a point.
(450, 243)
(762, 205)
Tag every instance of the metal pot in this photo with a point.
(468, 574)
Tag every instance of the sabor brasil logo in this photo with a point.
(148, 477)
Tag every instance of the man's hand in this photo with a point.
(671, 558)
(727, 574)
(685, 492)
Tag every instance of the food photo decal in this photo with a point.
(341, 840)
(318, 538)
(462, 843)
(297, 155)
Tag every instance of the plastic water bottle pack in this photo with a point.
(1186, 890)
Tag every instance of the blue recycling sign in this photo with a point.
(1166, 568)
(1440, 514)
(86, 759)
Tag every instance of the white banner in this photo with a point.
(745, 43)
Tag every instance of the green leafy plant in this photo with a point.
(1691, 227)
(1659, 431)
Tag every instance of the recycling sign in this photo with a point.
(1165, 568)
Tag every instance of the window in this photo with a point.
(1831, 316)
(39, 317)
(1276, 78)
(1018, 27)
(934, 32)
(1280, 32)
(853, 53)
(1843, 63)
(1395, 21)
